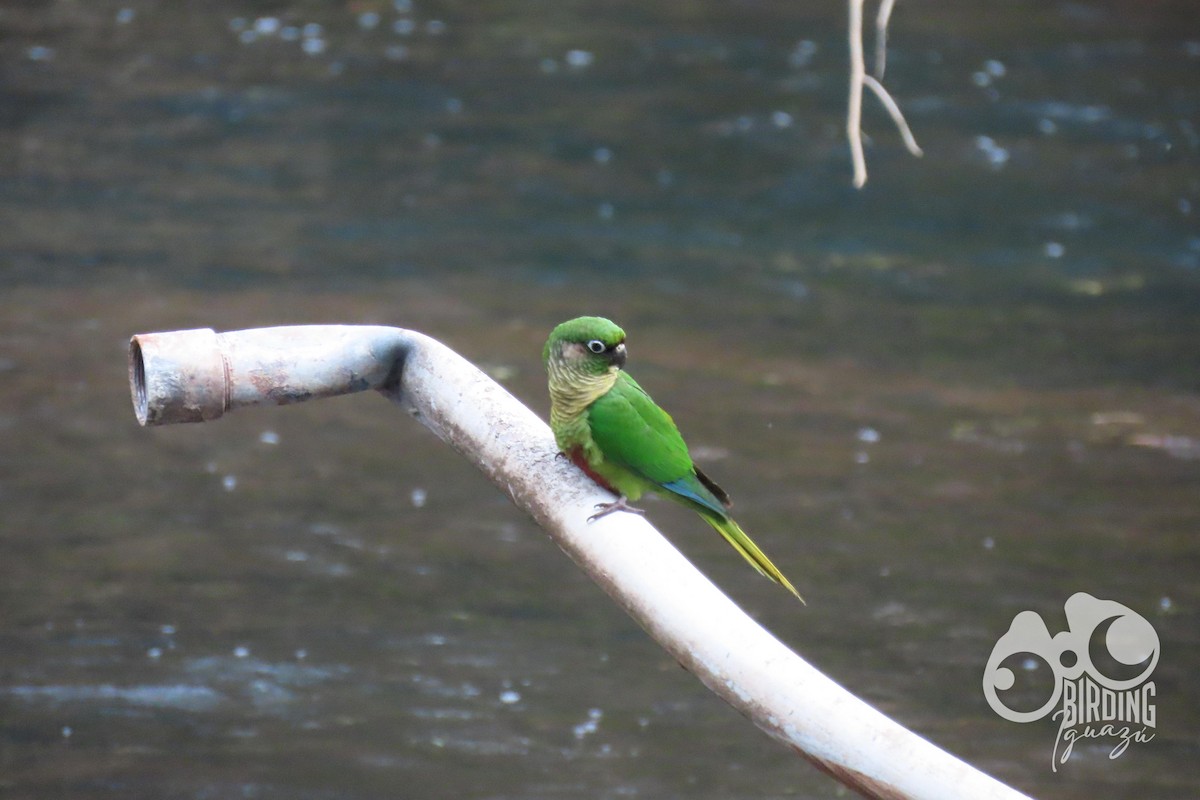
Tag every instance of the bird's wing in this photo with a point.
(632, 431)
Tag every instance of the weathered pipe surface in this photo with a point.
(198, 375)
(192, 376)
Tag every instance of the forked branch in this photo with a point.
(859, 78)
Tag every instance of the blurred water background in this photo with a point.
(969, 390)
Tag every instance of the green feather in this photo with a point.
(633, 432)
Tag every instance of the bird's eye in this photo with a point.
(596, 346)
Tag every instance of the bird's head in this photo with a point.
(592, 345)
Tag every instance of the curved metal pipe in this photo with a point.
(192, 376)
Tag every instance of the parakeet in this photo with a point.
(611, 429)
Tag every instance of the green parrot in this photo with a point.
(611, 429)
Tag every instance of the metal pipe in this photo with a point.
(198, 375)
(192, 376)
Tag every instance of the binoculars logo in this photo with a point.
(1098, 671)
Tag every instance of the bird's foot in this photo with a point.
(621, 504)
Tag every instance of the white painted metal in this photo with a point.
(190, 376)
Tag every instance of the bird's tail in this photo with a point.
(734, 534)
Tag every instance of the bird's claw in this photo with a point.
(621, 504)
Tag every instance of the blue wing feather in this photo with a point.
(695, 491)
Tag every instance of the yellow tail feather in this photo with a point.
(734, 534)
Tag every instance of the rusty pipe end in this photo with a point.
(178, 376)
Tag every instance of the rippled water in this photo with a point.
(966, 391)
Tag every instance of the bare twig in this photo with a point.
(858, 71)
(881, 23)
(894, 110)
(860, 78)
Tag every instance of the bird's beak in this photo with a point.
(618, 356)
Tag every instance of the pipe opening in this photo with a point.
(137, 381)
